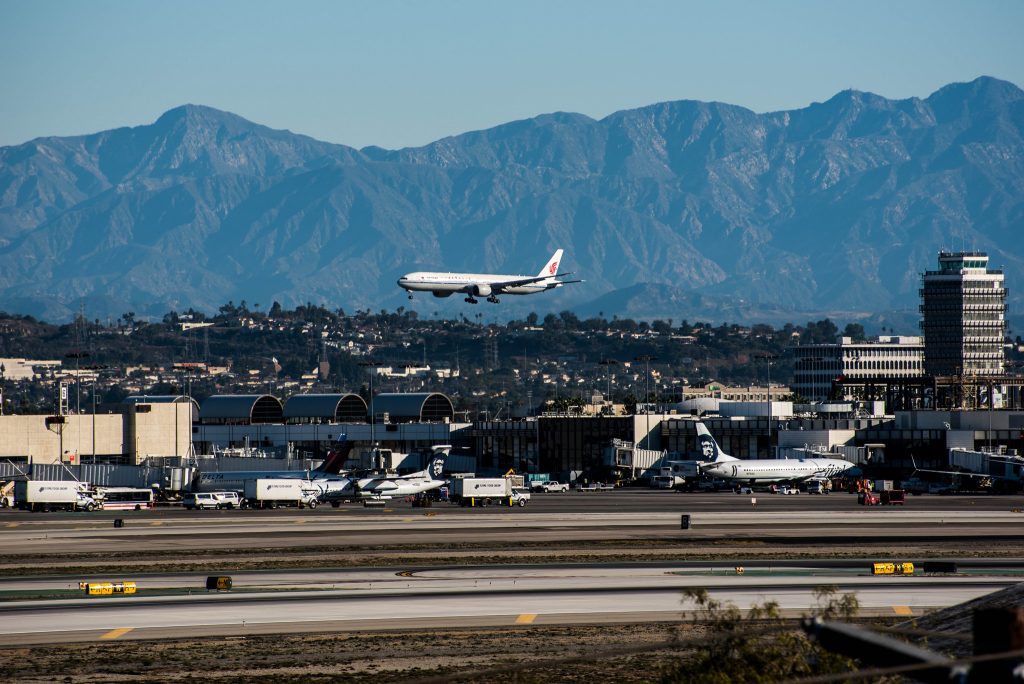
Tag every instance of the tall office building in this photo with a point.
(963, 316)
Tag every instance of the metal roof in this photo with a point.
(422, 406)
(336, 407)
(254, 408)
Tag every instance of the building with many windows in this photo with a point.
(818, 367)
(963, 316)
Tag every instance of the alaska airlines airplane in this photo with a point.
(716, 463)
(488, 285)
(336, 490)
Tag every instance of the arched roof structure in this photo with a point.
(334, 408)
(242, 409)
(426, 407)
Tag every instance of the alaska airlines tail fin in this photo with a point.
(336, 458)
(551, 268)
(435, 469)
(710, 452)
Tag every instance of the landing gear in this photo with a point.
(492, 299)
(470, 300)
(410, 297)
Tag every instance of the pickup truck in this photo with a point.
(550, 486)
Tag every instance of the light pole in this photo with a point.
(647, 358)
(78, 356)
(769, 358)
(372, 365)
(608, 363)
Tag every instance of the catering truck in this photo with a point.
(274, 492)
(483, 491)
(53, 495)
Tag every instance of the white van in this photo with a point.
(199, 500)
(227, 499)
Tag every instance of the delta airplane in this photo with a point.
(235, 479)
(716, 463)
(372, 486)
(488, 285)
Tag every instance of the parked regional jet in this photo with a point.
(235, 479)
(372, 486)
(488, 285)
(716, 463)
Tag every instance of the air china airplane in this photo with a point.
(488, 285)
(716, 463)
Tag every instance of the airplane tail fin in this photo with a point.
(709, 449)
(336, 458)
(435, 469)
(551, 268)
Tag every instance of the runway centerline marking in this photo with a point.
(526, 619)
(115, 633)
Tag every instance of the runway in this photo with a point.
(492, 566)
(439, 598)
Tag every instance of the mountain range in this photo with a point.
(683, 210)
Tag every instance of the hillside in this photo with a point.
(685, 209)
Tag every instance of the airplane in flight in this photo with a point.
(382, 486)
(488, 285)
(717, 463)
(208, 481)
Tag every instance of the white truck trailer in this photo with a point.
(274, 492)
(53, 495)
(482, 491)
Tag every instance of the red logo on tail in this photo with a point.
(553, 268)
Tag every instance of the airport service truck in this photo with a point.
(483, 491)
(53, 495)
(274, 492)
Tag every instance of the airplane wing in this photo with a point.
(518, 282)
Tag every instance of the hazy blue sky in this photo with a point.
(397, 73)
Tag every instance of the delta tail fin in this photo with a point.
(336, 457)
(551, 268)
(710, 452)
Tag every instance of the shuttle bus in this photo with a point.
(127, 499)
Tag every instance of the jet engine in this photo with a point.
(482, 290)
(442, 293)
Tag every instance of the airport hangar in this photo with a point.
(173, 430)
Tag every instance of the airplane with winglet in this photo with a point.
(488, 285)
(717, 463)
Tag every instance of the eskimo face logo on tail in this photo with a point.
(436, 468)
(707, 448)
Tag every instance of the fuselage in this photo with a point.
(430, 281)
(768, 471)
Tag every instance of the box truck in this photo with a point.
(482, 491)
(53, 495)
(274, 492)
